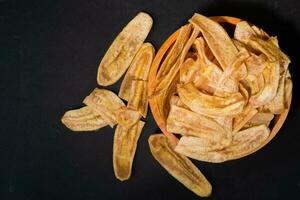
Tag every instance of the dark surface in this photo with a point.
(50, 51)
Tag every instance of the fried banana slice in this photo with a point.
(124, 147)
(243, 143)
(271, 79)
(217, 39)
(138, 69)
(277, 104)
(288, 88)
(180, 167)
(171, 75)
(225, 122)
(175, 100)
(259, 119)
(241, 119)
(123, 49)
(138, 99)
(174, 53)
(196, 144)
(189, 70)
(208, 76)
(243, 31)
(186, 122)
(273, 53)
(83, 119)
(127, 117)
(210, 105)
(104, 103)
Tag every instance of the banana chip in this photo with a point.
(125, 143)
(138, 99)
(260, 118)
(243, 142)
(277, 105)
(210, 105)
(83, 119)
(241, 119)
(174, 53)
(179, 166)
(123, 49)
(243, 31)
(209, 74)
(104, 103)
(127, 117)
(172, 73)
(186, 122)
(138, 69)
(217, 39)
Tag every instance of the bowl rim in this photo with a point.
(279, 119)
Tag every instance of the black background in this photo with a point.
(50, 51)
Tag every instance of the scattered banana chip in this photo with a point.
(123, 49)
(179, 166)
(220, 94)
(138, 69)
(127, 117)
(105, 103)
(125, 143)
(83, 119)
(138, 99)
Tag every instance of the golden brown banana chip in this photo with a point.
(172, 73)
(124, 147)
(175, 100)
(210, 105)
(217, 39)
(189, 70)
(225, 122)
(174, 53)
(243, 31)
(288, 88)
(273, 53)
(162, 100)
(104, 103)
(277, 104)
(179, 166)
(241, 119)
(186, 122)
(260, 33)
(198, 144)
(209, 75)
(138, 69)
(123, 49)
(259, 119)
(127, 117)
(271, 78)
(138, 99)
(243, 142)
(83, 119)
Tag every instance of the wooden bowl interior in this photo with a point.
(277, 121)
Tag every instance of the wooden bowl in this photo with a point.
(277, 121)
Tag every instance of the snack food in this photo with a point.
(236, 84)
(83, 119)
(179, 166)
(124, 147)
(123, 49)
